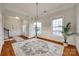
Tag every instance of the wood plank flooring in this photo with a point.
(22, 36)
(7, 50)
(70, 51)
(53, 41)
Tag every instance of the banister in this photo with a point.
(5, 29)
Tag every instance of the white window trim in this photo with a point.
(53, 18)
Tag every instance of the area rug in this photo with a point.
(37, 47)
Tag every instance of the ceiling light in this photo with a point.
(17, 17)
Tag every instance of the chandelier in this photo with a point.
(36, 29)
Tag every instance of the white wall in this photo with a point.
(77, 19)
(31, 29)
(25, 27)
(69, 15)
(77, 24)
(15, 25)
(1, 31)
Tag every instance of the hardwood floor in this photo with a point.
(7, 49)
(70, 51)
(22, 36)
(60, 43)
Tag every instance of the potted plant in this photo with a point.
(66, 32)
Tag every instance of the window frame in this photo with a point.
(34, 25)
(54, 18)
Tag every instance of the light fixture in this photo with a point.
(17, 17)
(36, 20)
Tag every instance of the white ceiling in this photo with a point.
(29, 9)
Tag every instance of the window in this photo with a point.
(57, 26)
(38, 27)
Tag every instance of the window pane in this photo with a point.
(38, 24)
(57, 26)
